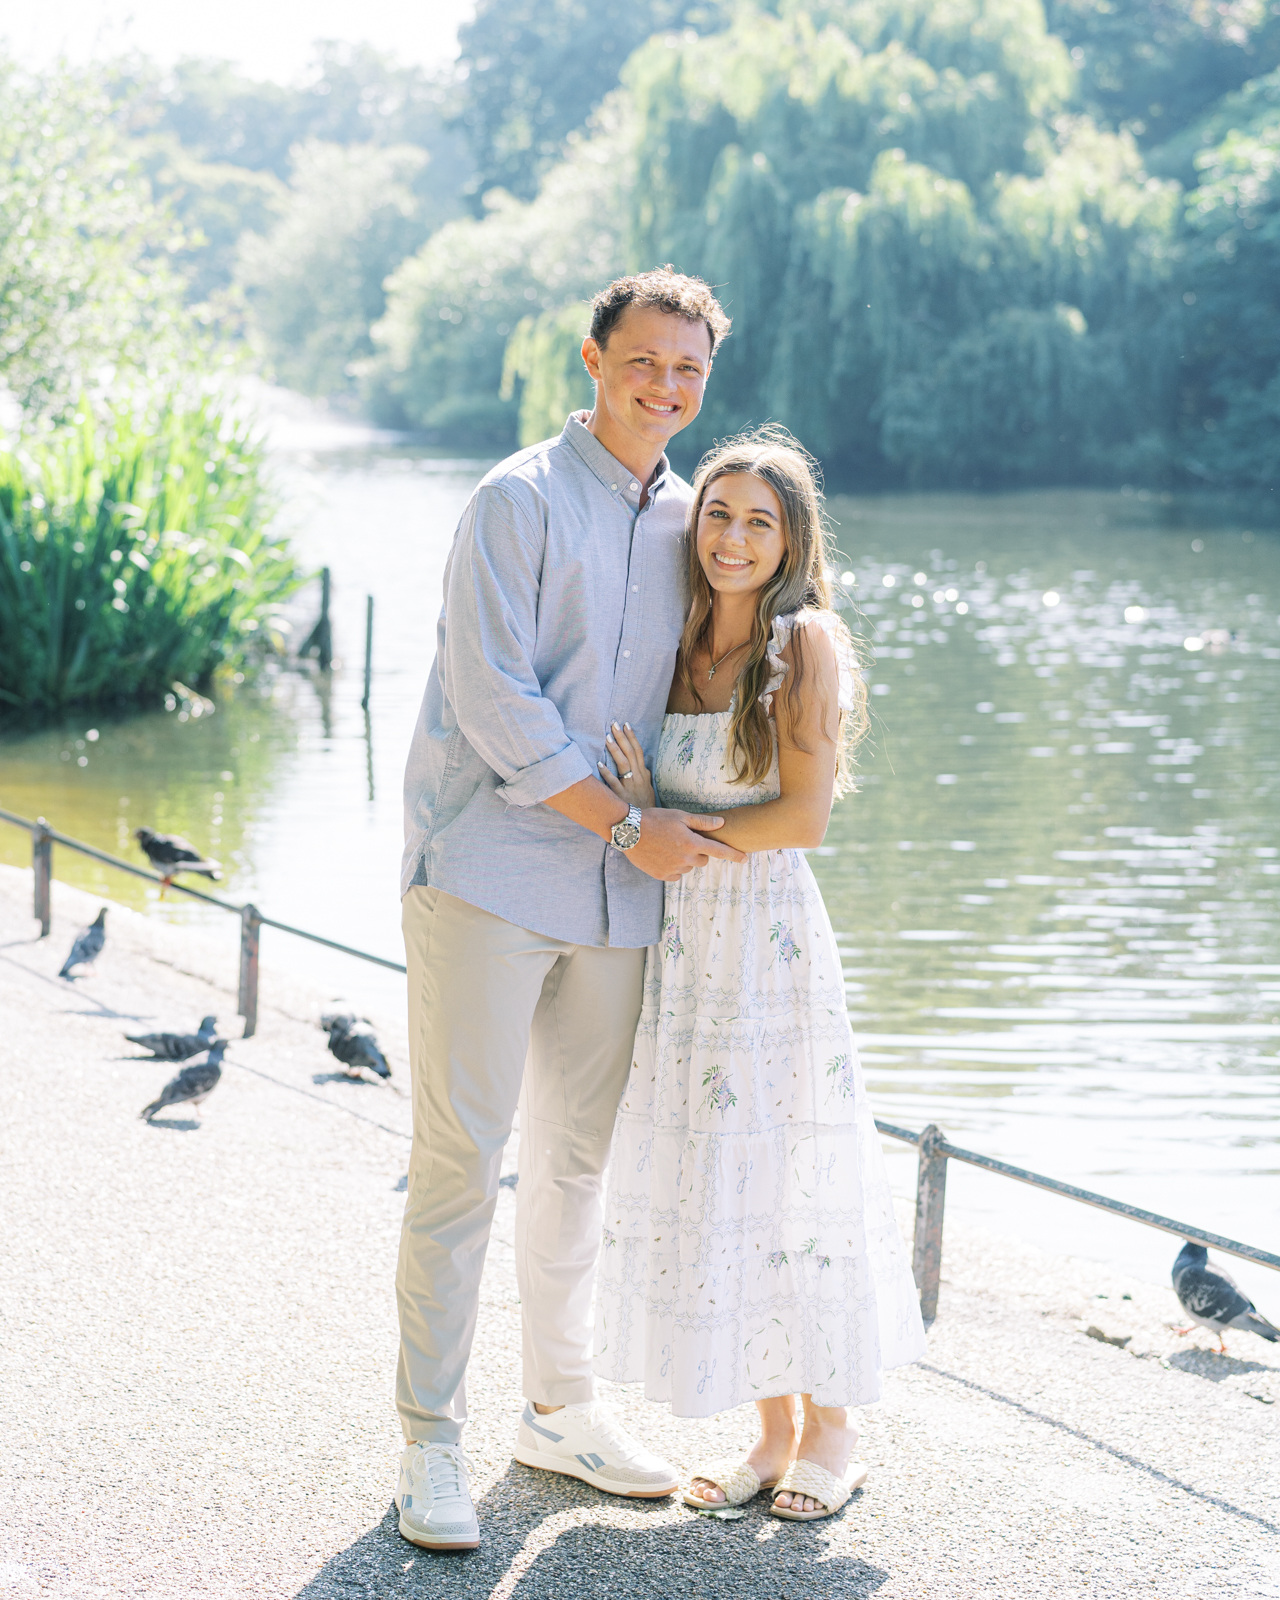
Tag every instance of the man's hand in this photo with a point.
(675, 842)
(671, 842)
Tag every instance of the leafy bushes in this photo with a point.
(132, 555)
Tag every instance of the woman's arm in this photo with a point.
(798, 819)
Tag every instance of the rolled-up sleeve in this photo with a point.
(492, 607)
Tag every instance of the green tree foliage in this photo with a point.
(534, 70)
(452, 308)
(352, 95)
(1157, 64)
(315, 281)
(88, 294)
(899, 210)
(215, 203)
(544, 355)
(218, 146)
(940, 270)
(132, 555)
(1230, 398)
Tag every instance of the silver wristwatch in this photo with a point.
(626, 834)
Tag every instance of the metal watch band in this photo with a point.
(625, 835)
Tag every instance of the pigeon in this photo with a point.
(1209, 1296)
(88, 946)
(177, 1046)
(192, 1083)
(355, 1046)
(170, 854)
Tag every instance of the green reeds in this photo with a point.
(134, 554)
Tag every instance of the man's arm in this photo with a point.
(487, 673)
(486, 668)
(671, 842)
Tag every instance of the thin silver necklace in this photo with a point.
(711, 670)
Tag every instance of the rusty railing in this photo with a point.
(252, 921)
(934, 1147)
(931, 1196)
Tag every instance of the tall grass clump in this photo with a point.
(132, 554)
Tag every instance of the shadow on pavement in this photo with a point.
(1107, 1449)
(539, 1543)
(1209, 1364)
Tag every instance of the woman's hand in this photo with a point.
(632, 782)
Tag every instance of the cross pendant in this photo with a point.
(711, 672)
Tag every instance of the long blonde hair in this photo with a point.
(771, 454)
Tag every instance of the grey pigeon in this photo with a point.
(1210, 1297)
(192, 1083)
(88, 946)
(355, 1044)
(170, 854)
(177, 1046)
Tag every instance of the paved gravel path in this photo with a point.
(197, 1341)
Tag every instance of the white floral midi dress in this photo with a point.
(750, 1245)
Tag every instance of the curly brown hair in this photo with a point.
(664, 289)
(771, 454)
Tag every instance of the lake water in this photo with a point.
(1058, 890)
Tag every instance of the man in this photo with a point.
(531, 891)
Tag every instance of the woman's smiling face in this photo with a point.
(740, 536)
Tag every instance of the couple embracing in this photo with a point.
(639, 713)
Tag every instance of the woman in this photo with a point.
(751, 1251)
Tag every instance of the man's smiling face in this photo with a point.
(650, 377)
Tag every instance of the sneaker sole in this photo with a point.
(535, 1458)
(424, 1543)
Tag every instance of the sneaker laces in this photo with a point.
(446, 1467)
(610, 1432)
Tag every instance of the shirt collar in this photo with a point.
(607, 468)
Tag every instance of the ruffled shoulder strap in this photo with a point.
(847, 667)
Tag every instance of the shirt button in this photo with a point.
(635, 486)
(626, 653)
(635, 588)
(614, 487)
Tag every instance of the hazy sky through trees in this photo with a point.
(267, 40)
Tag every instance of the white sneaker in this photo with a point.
(585, 1442)
(434, 1498)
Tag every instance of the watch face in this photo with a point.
(626, 835)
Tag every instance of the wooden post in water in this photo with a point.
(320, 638)
(931, 1198)
(42, 872)
(324, 635)
(368, 650)
(250, 924)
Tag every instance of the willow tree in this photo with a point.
(934, 272)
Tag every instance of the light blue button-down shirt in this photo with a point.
(563, 605)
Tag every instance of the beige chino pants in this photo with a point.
(499, 1016)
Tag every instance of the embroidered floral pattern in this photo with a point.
(684, 750)
(781, 935)
(672, 943)
(841, 1071)
(719, 1095)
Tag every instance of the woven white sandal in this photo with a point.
(808, 1478)
(739, 1483)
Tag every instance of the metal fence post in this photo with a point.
(250, 923)
(42, 872)
(931, 1197)
(368, 651)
